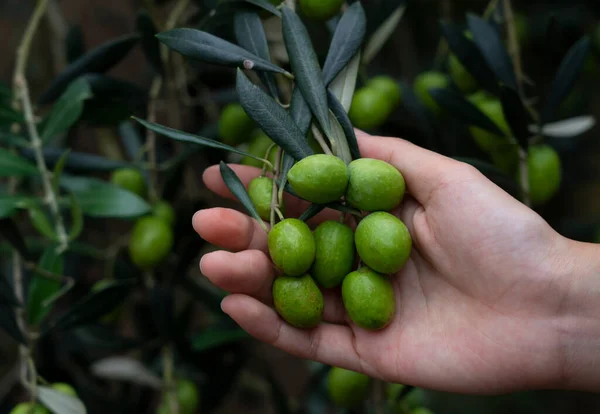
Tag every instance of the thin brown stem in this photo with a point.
(168, 379)
(321, 140)
(151, 137)
(274, 195)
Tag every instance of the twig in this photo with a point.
(168, 379)
(20, 312)
(151, 136)
(319, 138)
(513, 44)
(274, 194)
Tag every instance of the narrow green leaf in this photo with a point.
(132, 141)
(77, 161)
(194, 139)
(59, 402)
(347, 40)
(339, 143)
(11, 165)
(344, 84)
(105, 338)
(9, 139)
(125, 368)
(382, 34)
(74, 43)
(493, 50)
(10, 203)
(8, 323)
(6, 94)
(265, 5)
(102, 199)
(566, 76)
(58, 169)
(300, 112)
(344, 121)
(40, 221)
(250, 35)
(11, 233)
(237, 189)
(464, 110)
(107, 90)
(76, 218)
(275, 121)
(286, 166)
(311, 211)
(305, 65)
(41, 288)
(208, 48)
(67, 109)
(567, 128)
(213, 338)
(98, 60)
(516, 115)
(9, 116)
(145, 26)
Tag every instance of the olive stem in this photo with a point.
(168, 379)
(274, 195)
(155, 89)
(319, 138)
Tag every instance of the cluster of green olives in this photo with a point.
(326, 257)
(374, 103)
(152, 236)
(36, 408)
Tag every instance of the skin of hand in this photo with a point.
(492, 299)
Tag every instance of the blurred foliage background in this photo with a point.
(234, 373)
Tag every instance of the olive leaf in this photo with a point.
(40, 221)
(286, 166)
(464, 110)
(10, 203)
(145, 26)
(347, 40)
(516, 115)
(76, 218)
(76, 161)
(305, 65)
(382, 34)
(344, 84)
(311, 211)
(338, 110)
(123, 368)
(42, 288)
(492, 49)
(250, 34)
(58, 170)
(11, 165)
(59, 402)
(300, 111)
(275, 121)
(566, 128)
(194, 139)
(98, 60)
(565, 78)
(205, 47)
(212, 338)
(104, 338)
(239, 191)
(132, 141)
(74, 43)
(339, 143)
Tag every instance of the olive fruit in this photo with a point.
(387, 86)
(298, 301)
(480, 96)
(165, 212)
(129, 179)
(422, 410)
(374, 185)
(150, 242)
(260, 191)
(370, 108)
(427, 81)
(65, 388)
(29, 408)
(112, 314)
(545, 173)
(292, 246)
(460, 75)
(334, 257)
(487, 141)
(369, 299)
(347, 389)
(319, 178)
(235, 125)
(383, 242)
(258, 146)
(187, 395)
(320, 9)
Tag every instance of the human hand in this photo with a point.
(477, 303)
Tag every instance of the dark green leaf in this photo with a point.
(225, 7)
(419, 113)
(78, 161)
(145, 26)
(98, 60)
(516, 115)
(132, 141)
(11, 233)
(74, 43)
(206, 47)
(300, 112)
(250, 34)
(305, 65)
(464, 110)
(40, 221)
(213, 338)
(194, 139)
(92, 307)
(381, 35)
(492, 48)
(58, 169)
(272, 118)
(8, 323)
(312, 211)
(9, 204)
(102, 199)
(565, 78)
(76, 218)
(9, 139)
(6, 94)
(104, 338)
(9, 116)
(239, 191)
(347, 40)
(59, 402)
(266, 5)
(67, 109)
(42, 288)
(108, 89)
(469, 55)
(340, 114)
(286, 166)
(11, 165)
(499, 177)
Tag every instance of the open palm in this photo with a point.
(476, 303)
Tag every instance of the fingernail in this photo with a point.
(200, 264)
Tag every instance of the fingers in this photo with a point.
(328, 343)
(230, 229)
(423, 170)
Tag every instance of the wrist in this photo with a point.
(578, 316)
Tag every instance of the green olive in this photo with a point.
(427, 81)
(163, 210)
(129, 179)
(460, 75)
(292, 247)
(486, 140)
(388, 86)
(258, 146)
(298, 301)
(374, 185)
(347, 389)
(369, 299)
(370, 108)
(319, 178)
(235, 125)
(29, 408)
(334, 255)
(320, 9)
(545, 173)
(260, 191)
(65, 388)
(150, 242)
(383, 242)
